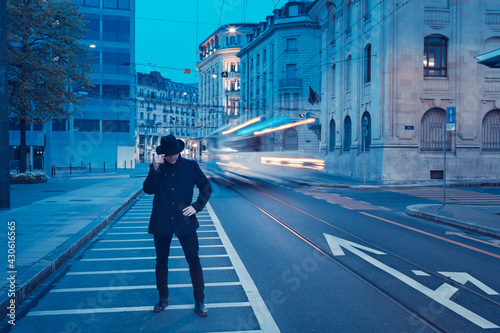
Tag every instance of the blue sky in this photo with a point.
(166, 39)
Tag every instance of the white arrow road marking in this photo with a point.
(441, 295)
(463, 278)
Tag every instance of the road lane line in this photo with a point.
(137, 271)
(151, 286)
(264, 317)
(133, 309)
(435, 236)
(471, 238)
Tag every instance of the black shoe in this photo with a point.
(200, 309)
(161, 305)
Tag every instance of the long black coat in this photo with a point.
(173, 186)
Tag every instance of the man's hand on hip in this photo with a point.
(188, 211)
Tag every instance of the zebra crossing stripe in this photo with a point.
(133, 309)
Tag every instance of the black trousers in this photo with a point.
(190, 246)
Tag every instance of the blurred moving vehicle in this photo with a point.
(248, 148)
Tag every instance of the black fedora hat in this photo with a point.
(169, 146)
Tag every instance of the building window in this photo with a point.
(93, 26)
(491, 132)
(348, 74)
(366, 131)
(348, 18)
(59, 125)
(290, 139)
(333, 80)
(331, 147)
(435, 56)
(368, 64)
(433, 126)
(116, 28)
(112, 91)
(87, 3)
(293, 11)
(115, 125)
(116, 62)
(347, 133)
(86, 125)
(286, 102)
(291, 45)
(331, 30)
(291, 72)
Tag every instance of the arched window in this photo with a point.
(491, 131)
(331, 147)
(366, 131)
(290, 139)
(348, 17)
(347, 133)
(432, 135)
(435, 56)
(368, 64)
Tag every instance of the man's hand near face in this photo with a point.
(159, 160)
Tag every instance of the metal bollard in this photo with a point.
(70, 169)
(104, 167)
(116, 165)
(125, 164)
(90, 167)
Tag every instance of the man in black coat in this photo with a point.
(172, 184)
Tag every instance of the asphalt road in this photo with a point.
(401, 281)
(288, 258)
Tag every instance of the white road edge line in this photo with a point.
(264, 317)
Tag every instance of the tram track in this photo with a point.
(231, 182)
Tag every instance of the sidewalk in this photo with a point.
(484, 220)
(54, 220)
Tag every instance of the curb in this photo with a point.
(75, 243)
(414, 212)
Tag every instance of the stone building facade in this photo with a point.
(163, 107)
(219, 76)
(279, 64)
(390, 70)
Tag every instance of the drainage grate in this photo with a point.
(80, 200)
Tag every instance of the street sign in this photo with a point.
(451, 118)
(187, 70)
(224, 74)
